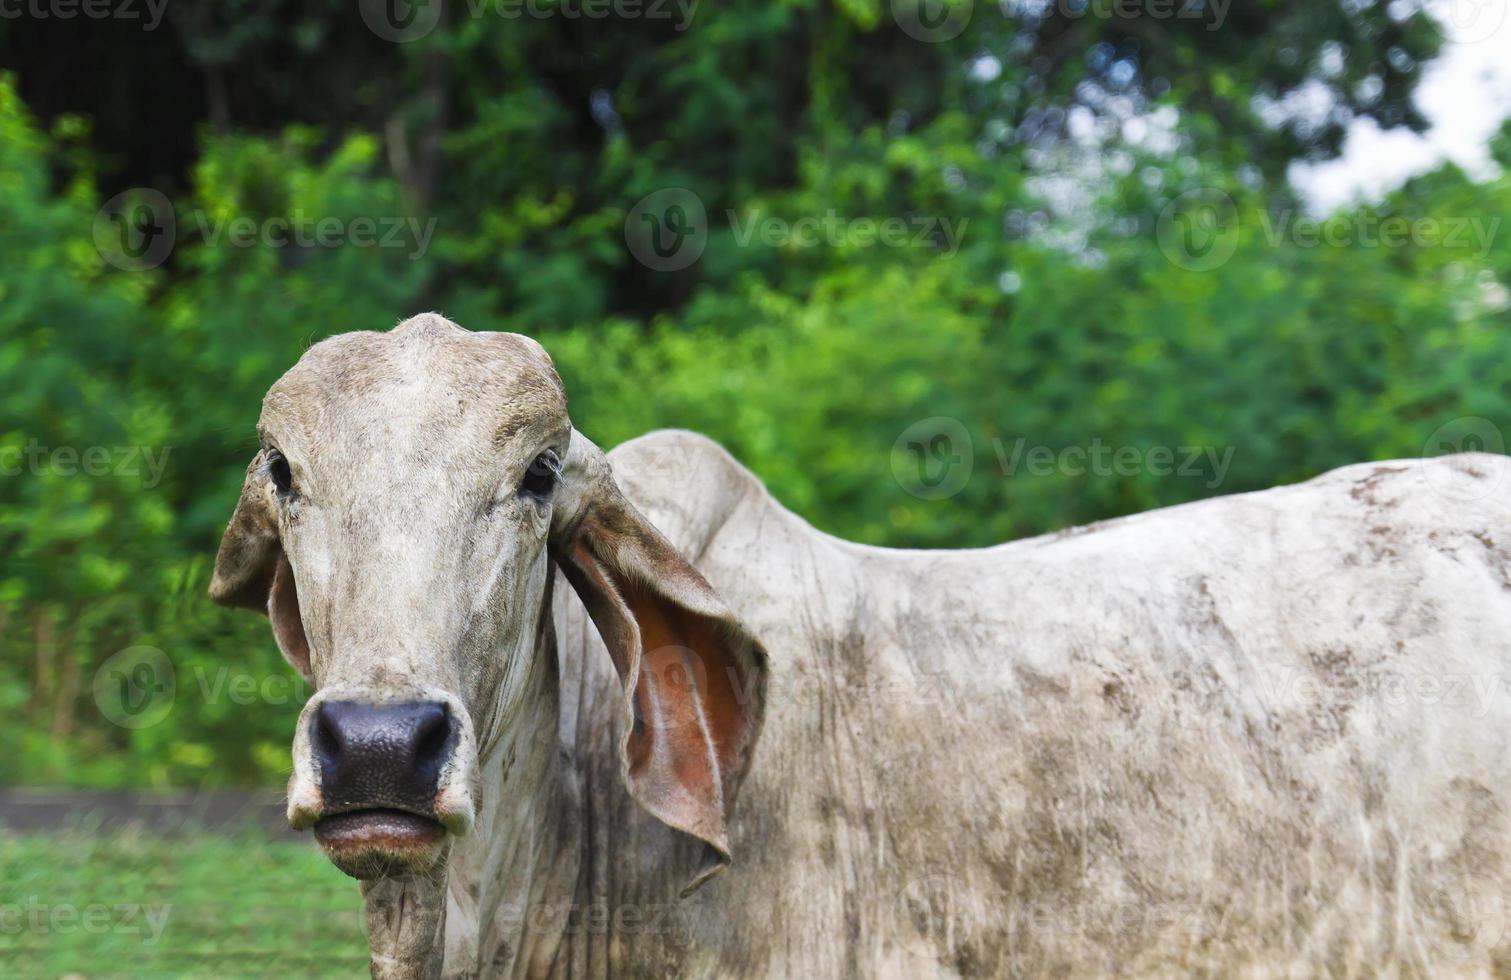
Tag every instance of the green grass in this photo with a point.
(130, 905)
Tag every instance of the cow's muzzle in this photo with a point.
(383, 802)
(381, 756)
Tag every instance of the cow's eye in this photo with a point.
(540, 479)
(278, 469)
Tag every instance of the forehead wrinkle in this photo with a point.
(349, 364)
(379, 410)
(530, 425)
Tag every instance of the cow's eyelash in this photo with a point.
(542, 475)
(277, 467)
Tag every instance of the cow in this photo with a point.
(578, 714)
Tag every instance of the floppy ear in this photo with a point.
(694, 678)
(251, 571)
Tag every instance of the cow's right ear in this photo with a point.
(251, 570)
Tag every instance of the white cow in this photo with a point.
(558, 693)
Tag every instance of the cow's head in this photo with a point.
(400, 525)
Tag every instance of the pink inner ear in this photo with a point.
(288, 625)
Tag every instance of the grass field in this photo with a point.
(130, 905)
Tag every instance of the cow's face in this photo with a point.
(401, 503)
(399, 525)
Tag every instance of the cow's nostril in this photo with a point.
(432, 744)
(374, 756)
(325, 740)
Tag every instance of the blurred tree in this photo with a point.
(1028, 159)
(524, 129)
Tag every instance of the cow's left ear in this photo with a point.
(694, 677)
(252, 572)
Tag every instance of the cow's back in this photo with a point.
(1255, 734)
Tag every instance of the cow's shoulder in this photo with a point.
(688, 485)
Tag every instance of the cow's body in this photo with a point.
(1266, 734)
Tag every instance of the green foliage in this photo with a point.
(161, 379)
(1038, 326)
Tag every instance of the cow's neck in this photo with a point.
(553, 814)
(478, 911)
(520, 846)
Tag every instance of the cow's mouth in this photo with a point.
(380, 842)
(378, 827)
